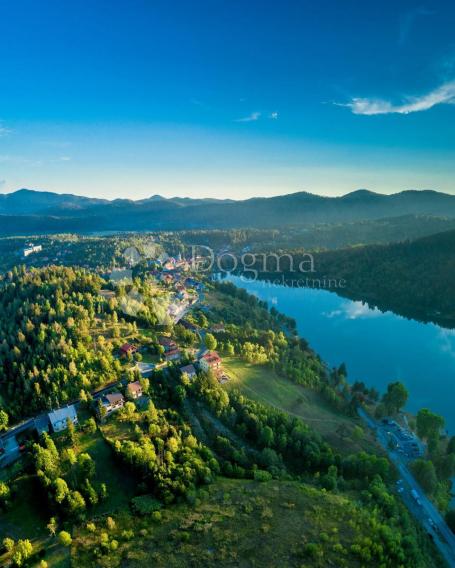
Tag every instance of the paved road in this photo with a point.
(424, 512)
(8, 439)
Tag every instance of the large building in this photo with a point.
(31, 248)
(59, 418)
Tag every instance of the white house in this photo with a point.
(112, 402)
(30, 249)
(59, 418)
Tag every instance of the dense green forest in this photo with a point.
(105, 490)
(47, 350)
(412, 278)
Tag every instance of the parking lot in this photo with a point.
(402, 440)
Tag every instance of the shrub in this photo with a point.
(145, 504)
(65, 538)
(261, 475)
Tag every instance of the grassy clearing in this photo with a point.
(261, 383)
(235, 523)
(120, 485)
(30, 513)
(28, 519)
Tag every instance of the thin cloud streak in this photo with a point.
(4, 131)
(250, 118)
(445, 94)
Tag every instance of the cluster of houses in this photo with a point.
(111, 402)
(57, 420)
(210, 361)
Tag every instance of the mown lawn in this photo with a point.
(261, 383)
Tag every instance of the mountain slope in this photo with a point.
(44, 211)
(415, 279)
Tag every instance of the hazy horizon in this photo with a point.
(93, 195)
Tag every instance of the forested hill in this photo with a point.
(47, 354)
(415, 279)
(26, 212)
(190, 472)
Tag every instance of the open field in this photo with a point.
(261, 383)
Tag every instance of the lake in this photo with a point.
(377, 347)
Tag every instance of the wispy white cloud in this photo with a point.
(366, 106)
(56, 143)
(64, 159)
(4, 131)
(250, 118)
(273, 115)
(19, 160)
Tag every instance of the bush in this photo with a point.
(312, 550)
(145, 504)
(261, 475)
(156, 516)
(65, 538)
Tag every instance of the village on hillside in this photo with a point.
(145, 351)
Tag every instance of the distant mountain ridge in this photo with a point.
(44, 212)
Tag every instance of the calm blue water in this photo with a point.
(377, 347)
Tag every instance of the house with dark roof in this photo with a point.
(146, 369)
(188, 370)
(173, 355)
(168, 343)
(112, 401)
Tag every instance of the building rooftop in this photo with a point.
(62, 414)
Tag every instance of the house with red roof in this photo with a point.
(172, 354)
(211, 361)
(127, 349)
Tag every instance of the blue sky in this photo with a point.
(226, 98)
